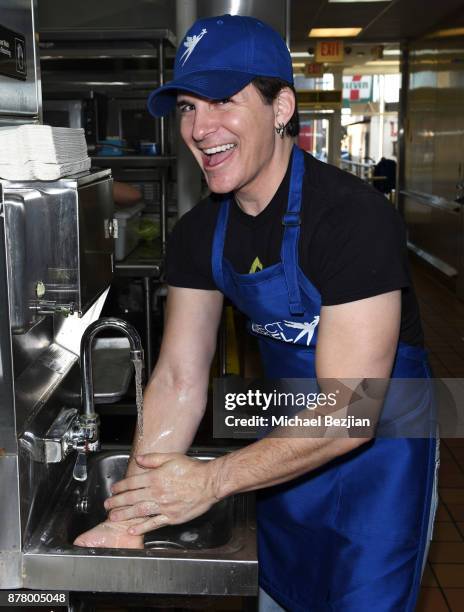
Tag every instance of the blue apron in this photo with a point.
(350, 536)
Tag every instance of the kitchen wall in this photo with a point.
(434, 153)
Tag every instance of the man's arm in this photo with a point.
(356, 340)
(175, 396)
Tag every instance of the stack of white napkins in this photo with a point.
(41, 152)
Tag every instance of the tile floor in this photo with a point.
(443, 320)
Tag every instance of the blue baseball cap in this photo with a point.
(220, 56)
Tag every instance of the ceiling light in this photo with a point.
(357, 1)
(333, 32)
(382, 63)
(446, 33)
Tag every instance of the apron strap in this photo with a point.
(291, 222)
(218, 244)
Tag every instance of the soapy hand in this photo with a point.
(175, 489)
(110, 535)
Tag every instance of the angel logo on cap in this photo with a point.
(191, 42)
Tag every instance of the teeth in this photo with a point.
(220, 149)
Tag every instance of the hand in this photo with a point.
(174, 490)
(110, 535)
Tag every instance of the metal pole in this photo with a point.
(402, 127)
(333, 154)
(163, 208)
(287, 22)
(188, 171)
(161, 82)
(148, 325)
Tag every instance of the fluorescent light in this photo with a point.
(333, 32)
(446, 33)
(382, 63)
(356, 1)
(306, 55)
(301, 54)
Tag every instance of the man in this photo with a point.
(343, 523)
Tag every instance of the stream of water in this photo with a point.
(138, 366)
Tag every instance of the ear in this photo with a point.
(284, 106)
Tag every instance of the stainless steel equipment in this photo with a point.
(213, 554)
(56, 248)
(432, 187)
(59, 239)
(48, 244)
(20, 90)
(73, 429)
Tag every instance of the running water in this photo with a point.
(138, 366)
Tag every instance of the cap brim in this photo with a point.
(211, 84)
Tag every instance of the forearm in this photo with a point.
(172, 411)
(271, 461)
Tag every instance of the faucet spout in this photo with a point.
(88, 337)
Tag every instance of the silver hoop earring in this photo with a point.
(280, 129)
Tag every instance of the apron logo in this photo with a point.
(280, 330)
(256, 266)
(191, 42)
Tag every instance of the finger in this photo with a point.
(137, 511)
(154, 460)
(131, 483)
(125, 499)
(154, 522)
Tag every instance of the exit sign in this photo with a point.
(329, 51)
(314, 70)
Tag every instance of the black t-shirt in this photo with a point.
(352, 242)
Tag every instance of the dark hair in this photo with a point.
(269, 88)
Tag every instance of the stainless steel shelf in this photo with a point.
(133, 161)
(94, 34)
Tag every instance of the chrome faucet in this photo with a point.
(71, 429)
(84, 433)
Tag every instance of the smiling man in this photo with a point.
(316, 259)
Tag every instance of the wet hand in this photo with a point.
(174, 489)
(110, 535)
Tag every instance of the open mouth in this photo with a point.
(214, 156)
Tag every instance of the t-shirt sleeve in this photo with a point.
(359, 250)
(188, 254)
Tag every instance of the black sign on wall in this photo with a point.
(12, 54)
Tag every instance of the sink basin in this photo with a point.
(213, 554)
(212, 529)
(81, 508)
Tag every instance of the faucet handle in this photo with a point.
(80, 467)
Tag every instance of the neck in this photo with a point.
(256, 195)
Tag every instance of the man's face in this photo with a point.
(232, 139)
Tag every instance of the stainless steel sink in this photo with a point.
(82, 508)
(212, 554)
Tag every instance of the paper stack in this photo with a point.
(41, 152)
